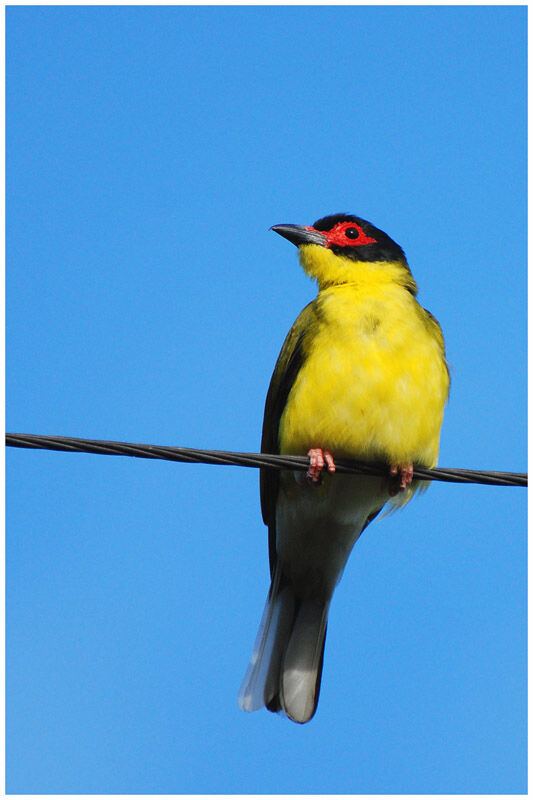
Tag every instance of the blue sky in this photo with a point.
(149, 150)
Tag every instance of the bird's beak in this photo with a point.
(298, 234)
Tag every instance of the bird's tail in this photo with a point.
(286, 665)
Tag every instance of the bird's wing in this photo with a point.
(435, 329)
(290, 360)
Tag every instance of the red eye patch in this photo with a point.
(347, 234)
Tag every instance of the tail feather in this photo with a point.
(302, 664)
(252, 691)
(286, 665)
(280, 633)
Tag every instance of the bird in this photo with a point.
(362, 374)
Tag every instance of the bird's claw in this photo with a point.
(401, 476)
(318, 459)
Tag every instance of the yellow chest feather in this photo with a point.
(373, 383)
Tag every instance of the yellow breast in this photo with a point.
(374, 381)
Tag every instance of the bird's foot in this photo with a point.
(401, 476)
(318, 459)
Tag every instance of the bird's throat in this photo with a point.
(329, 269)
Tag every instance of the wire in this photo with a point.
(348, 466)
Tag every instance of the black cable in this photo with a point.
(349, 466)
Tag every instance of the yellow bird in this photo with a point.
(362, 374)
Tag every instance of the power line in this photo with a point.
(348, 466)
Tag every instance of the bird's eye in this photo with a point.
(351, 233)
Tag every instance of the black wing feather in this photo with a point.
(289, 363)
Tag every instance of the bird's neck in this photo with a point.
(331, 270)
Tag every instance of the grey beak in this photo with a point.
(298, 235)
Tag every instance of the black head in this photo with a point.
(353, 237)
(346, 235)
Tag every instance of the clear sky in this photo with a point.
(149, 150)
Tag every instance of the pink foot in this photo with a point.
(401, 476)
(318, 458)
